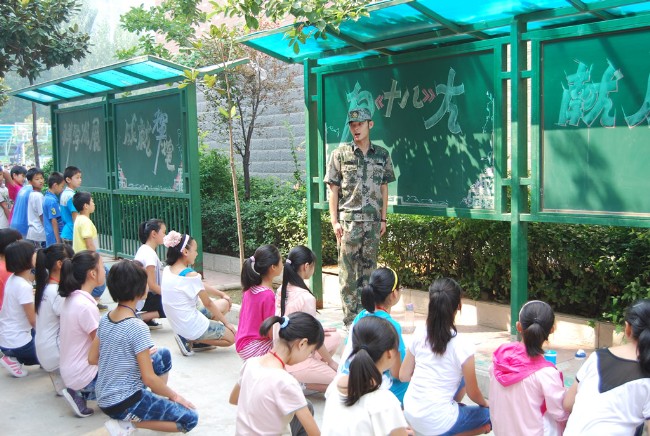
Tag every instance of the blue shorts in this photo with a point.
(469, 418)
(152, 407)
(215, 330)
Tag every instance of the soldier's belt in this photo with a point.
(357, 216)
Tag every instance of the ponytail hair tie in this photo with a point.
(285, 322)
(252, 259)
(288, 261)
(363, 347)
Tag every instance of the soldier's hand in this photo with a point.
(383, 229)
(338, 231)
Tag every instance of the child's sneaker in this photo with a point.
(119, 428)
(197, 347)
(153, 325)
(77, 403)
(57, 382)
(184, 345)
(102, 307)
(13, 366)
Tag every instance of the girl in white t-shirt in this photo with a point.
(182, 288)
(17, 316)
(151, 234)
(354, 403)
(318, 370)
(611, 393)
(440, 367)
(269, 400)
(48, 305)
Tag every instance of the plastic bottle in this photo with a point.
(409, 319)
(573, 366)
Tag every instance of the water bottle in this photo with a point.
(574, 365)
(409, 319)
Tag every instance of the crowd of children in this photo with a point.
(380, 386)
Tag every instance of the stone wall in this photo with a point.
(271, 145)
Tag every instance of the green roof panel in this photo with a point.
(86, 85)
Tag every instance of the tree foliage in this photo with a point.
(175, 21)
(324, 15)
(34, 36)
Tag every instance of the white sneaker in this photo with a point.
(57, 382)
(13, 366)
(119, 428)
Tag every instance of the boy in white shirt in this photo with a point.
(36, 231)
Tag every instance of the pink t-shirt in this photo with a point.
(79, 318)
(13, 189)
(258, 303)
(268, 399)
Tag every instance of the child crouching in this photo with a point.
(129, 362)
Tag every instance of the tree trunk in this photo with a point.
(246, 158)
(34, 132)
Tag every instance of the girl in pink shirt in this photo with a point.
(319, 369)
(522, 380)
(79, 321)
(258, 301)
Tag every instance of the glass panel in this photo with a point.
(388, 23)
(153, 70)
(346, 58)
(277, 43)
(61, 92)
(116, 78)
(38, 96)
(473, 11)
(86, 85)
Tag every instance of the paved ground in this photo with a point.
(30, 407)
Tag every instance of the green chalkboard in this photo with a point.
(81, 142)
(436, 118)
(150, 143)
(595, 118)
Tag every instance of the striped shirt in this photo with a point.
(119, 374)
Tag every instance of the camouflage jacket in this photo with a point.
(359, 178)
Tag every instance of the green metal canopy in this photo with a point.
(399, 26)
(137, 73)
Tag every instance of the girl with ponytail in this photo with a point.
(48, 305)
(611, 394)
(258, 301)
(317, 371)
(269, 400)
(378, 297)
(151, 233)
(354, 403)
(440, 367)
(522, 380)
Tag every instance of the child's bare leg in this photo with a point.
(166, 426)
(223, 305)
(226, 340)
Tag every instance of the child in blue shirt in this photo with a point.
(72, 176)
(52, 220)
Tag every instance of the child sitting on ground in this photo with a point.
(378, 298)
(17, 316)
(79, 321)
(129, 364)
(258, 301)
(522, 380)
(355, 404)
(437, 363)
(194, 329)
(151, 234)
(268, 399)
(7, 236)
(48, 305)
(317, 371)
(611, 393)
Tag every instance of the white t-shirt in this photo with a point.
(47, 328)
(147, 256)
(429, 404)
(268, 399)
(376, 413)
(180, 296)
(4, 197)
(613, 396)
(36, 231)
(15, 329)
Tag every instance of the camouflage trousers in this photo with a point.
(357, 259)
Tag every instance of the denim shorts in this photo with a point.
(25, 354)
(215, 330)
(152, 407)
(469, 418)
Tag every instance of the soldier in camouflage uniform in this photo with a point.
(358, 174)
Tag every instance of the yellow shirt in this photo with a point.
(83, 228)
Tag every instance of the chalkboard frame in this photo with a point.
(496, 49)
(115, 103)
(538, 41)
(57, 156)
